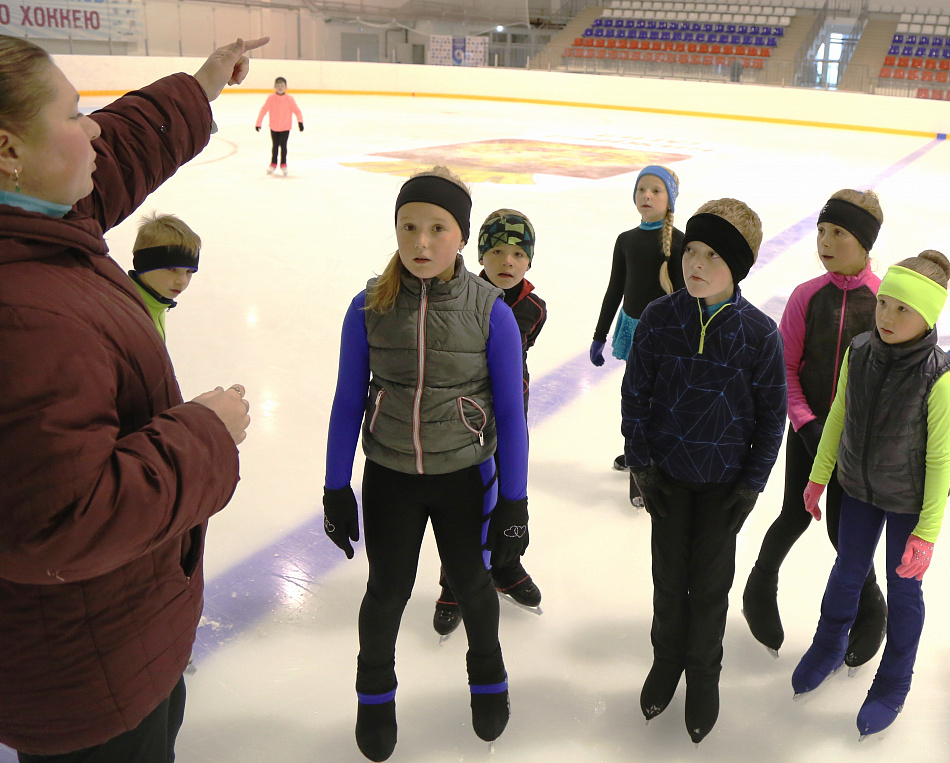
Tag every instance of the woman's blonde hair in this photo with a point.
(929, 263)
(667, 240)
(741, 217)
(25, 87)
(382, 296)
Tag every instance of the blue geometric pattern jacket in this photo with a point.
(704, 397)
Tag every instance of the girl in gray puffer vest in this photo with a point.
(430, 370)
(889, 431)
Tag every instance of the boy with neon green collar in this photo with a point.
(164, 258)
(889, 432)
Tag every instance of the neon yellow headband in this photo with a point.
(915, 290)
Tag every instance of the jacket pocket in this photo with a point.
(377, 405)
(191, 551)
(473, 417)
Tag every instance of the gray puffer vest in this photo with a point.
(429, 409)
(883, 447)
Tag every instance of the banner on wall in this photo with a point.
(445, 50)
(100, 20)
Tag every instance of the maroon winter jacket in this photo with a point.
(106, 476)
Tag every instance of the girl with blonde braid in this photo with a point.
(646, 265)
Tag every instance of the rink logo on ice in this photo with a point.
(517, 161)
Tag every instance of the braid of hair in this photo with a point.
(667, 238)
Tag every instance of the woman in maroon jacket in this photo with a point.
(107, 476)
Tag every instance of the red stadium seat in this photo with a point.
(923, 92)
(890, 60)
(940, 77)
(885, 73)
(900, 74)
(937, 94)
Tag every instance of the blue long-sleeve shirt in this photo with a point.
(704, 397)
(504, 358)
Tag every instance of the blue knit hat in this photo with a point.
(672, 187)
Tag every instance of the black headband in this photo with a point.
(432, 189)
(725, 239)
(158, 257)
(856, 220)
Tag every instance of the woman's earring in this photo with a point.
(16, 181)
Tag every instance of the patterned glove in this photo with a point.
(340, 521)
(653, 486)
(507, 531)
(597, 352)
(916, 559)
(811, 495)
(810, 432)
(739, 504)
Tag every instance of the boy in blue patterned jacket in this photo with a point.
(703, 403)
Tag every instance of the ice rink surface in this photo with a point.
(283, 256)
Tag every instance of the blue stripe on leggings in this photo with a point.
(376, 699)
(489, 688)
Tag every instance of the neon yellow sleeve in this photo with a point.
(937, 478)
(827, 455)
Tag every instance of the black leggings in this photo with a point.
(694, 563)
(279, 141)
(793, 519)
(396, 509)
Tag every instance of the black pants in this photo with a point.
(396, 509)
(793, 519)
(152, 741)
(694, 563)
(279, 141)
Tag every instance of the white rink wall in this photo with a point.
(96, 74)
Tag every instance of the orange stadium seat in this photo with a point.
(940, 77)
(885, 73)
(900, 74)
(937, 94)
(903, 62)
(923, 92)
(890, 60)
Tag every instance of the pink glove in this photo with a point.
(811, 495)
(916, 559)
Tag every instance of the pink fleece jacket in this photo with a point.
(821, 318)
(280, 107)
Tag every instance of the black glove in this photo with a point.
(300, 126)
(810, 433)
(340, 521)
(653, 486)
(258, 129)
(739, 504)
(507, 531)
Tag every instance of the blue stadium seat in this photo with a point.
(654, 34)
(689, 37)
(920, 52)
(599, 31)
(662, 25)
(735, 39)
(760, 41)
(678, 37)
(641, 23)
(674, 26)
(630, 23)
(894, 50)
(598, 22)
(934, 53)
(719, 28)
(747, 39)
(707, 27)
(911, 39)
(700, 37)
(907, 50)
(924, 39)
(778, 31)
(936, 42)
(771, 41)
(666, 35)
(898, 39)
(610, 32)
(742, 28)
(643, 34)
(696, 26)
(753, 29)
(651, 24)
(945, 53)
(588, 32)
(731, 28)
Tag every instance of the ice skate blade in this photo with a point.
(446, 637)
(773, 652)
(491, 748)
(533, 610)
(853, 670)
